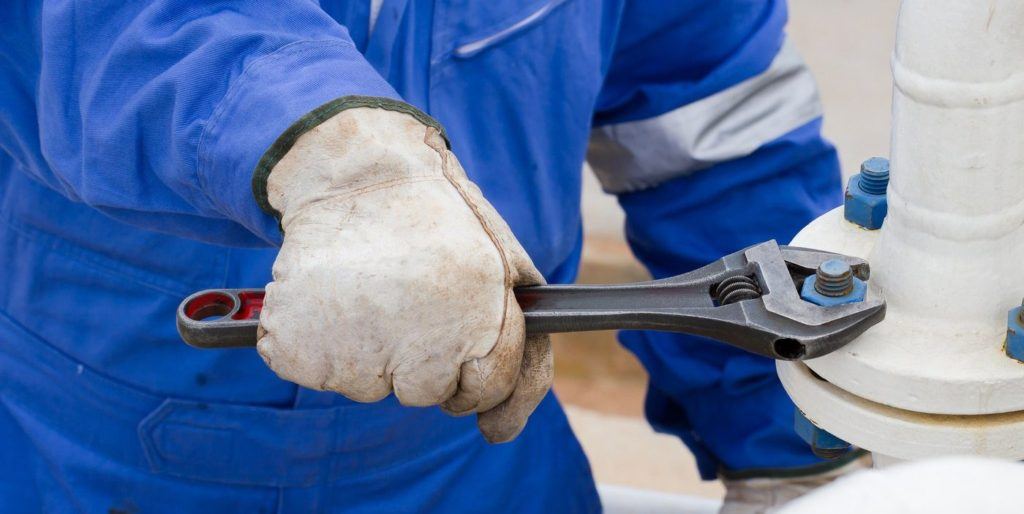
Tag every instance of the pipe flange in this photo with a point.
(912, 363)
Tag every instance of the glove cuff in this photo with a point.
(310, 121)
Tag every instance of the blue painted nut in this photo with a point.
(833, 284)
(823, 443)
(866, 204)
(1015, 334)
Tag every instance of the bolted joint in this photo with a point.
(833, 284)
(866, 203)
(822, 442)
(1014, 346)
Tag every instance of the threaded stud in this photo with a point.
(834, 278)
(874, 175)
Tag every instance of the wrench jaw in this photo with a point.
(804, 262)
(842, 332)
(802, 329)
(796, 341)
(743, 325)
(748, 299)
(749, 326)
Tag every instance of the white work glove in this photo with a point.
(397, 275)
(767, 495)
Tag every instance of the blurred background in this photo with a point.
(847, 44)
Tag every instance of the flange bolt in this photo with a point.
(874, 175)
(1014, 345)
(834, 278)
(866, 203)
(823, 443)
(833, 284)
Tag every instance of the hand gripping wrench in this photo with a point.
(749, 299)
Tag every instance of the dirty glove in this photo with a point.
(396, 274)
(768, 495)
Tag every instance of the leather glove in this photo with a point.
(768, 495)
(396, 275)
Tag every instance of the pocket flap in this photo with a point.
(476, 26)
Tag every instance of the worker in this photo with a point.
(392, 168)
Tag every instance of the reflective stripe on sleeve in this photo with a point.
(727, 125)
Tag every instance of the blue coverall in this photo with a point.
(128, 135)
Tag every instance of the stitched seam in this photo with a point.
(202, 158)
(326, 196)
(445, 158)
(94, 261)
(314, 118)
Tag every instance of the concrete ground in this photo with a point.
(847, 43)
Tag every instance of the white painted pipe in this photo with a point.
(951, 254)
(932, 379)
(948, 259)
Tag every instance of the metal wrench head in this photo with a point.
(805, 261)
(805, 330)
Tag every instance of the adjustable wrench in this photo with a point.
(749, 299)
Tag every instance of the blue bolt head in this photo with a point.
(822, 442)
(1014, 346)
(809, 293)
(863, 208)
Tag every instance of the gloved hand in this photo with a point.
(767, 495)
(397, 275)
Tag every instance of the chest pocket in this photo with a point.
(514, 84)
(483, 27)
(498, 53)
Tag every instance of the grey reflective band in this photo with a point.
(728, 125)
(375, 6)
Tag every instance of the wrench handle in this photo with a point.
(221, 318)
(228, 318)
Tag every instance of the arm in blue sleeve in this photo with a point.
(711, 150)
(726, 404)
(669, 54)
(157, 113)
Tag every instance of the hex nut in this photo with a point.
(1014, 346)
(809, 293)
(863, 208)
(823, 443)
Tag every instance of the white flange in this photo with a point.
(897, 433)
(913, 362)
(948, 258)
(932, 378)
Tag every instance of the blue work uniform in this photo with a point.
(129, 132)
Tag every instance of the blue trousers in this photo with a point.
(73, 440)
